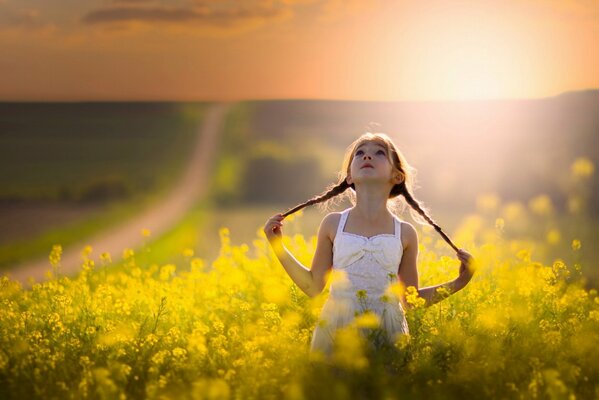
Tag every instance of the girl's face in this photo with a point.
(370, 163)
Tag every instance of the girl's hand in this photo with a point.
(468, 266)
(272, 228)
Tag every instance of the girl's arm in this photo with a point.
(408, 272)
(310, 281)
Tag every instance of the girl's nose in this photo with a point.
(367, 157)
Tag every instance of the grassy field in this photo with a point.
(60, 150)
(108, 160)
(165, 323)
(65, 234)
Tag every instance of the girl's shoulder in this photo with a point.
(330, 223)
(409, 236)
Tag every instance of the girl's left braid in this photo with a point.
(416, 206)
(334, 191)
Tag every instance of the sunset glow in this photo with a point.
(376, 50)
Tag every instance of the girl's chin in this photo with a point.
(371, 179)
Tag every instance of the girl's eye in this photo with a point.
(359, 152)
(380, 152)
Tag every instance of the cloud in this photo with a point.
(194, 16)
(154, 14)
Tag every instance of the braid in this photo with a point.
(416, 206)
(332, 192)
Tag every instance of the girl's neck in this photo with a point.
(371, 205)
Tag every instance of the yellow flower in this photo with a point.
(146, 232)
(553, 236)
(128, 253)
(55, 255)
(349, 348)
(105, 258)
(367, 320)
(513, 211)
(211, 388)
(576, 245)
(413, 297)
(582, 167)
(197, 264)
(541, 205)
(87, 250)
(167, 271)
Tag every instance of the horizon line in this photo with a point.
(4, 101)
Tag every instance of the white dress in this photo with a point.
(370, 265)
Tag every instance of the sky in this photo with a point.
(197, 50)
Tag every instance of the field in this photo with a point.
(71, 170)
(205, 311)
(60, 151)
(239, 328)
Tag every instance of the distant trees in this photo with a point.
(269, 178)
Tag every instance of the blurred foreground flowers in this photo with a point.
(240, 328)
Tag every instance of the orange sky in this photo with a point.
(330, 49)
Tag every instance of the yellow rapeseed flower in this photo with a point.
(211, 388)
(105, 258)
(349, 348)
(87, 250)
(276, 292)
(128, 253)
(553, 236)
(513, 211)
(197, 264)
(166, 271)
(223, 320)
(55, 255)
(541, 205)
(395, 289)
(582, 167)
(368, 320)
(413, 298)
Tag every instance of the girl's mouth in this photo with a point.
(366, 166)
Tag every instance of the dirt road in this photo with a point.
(160, 218)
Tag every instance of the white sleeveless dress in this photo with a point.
(370, 265)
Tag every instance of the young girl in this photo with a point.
(368, 243)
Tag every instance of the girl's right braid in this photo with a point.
(334, 191)
(416, 206)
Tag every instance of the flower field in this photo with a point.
(239, 328)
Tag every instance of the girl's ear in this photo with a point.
(398, 178)
(349, 180)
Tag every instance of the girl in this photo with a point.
(369, 244)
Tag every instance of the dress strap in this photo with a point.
(397, 223)
(342, 221)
